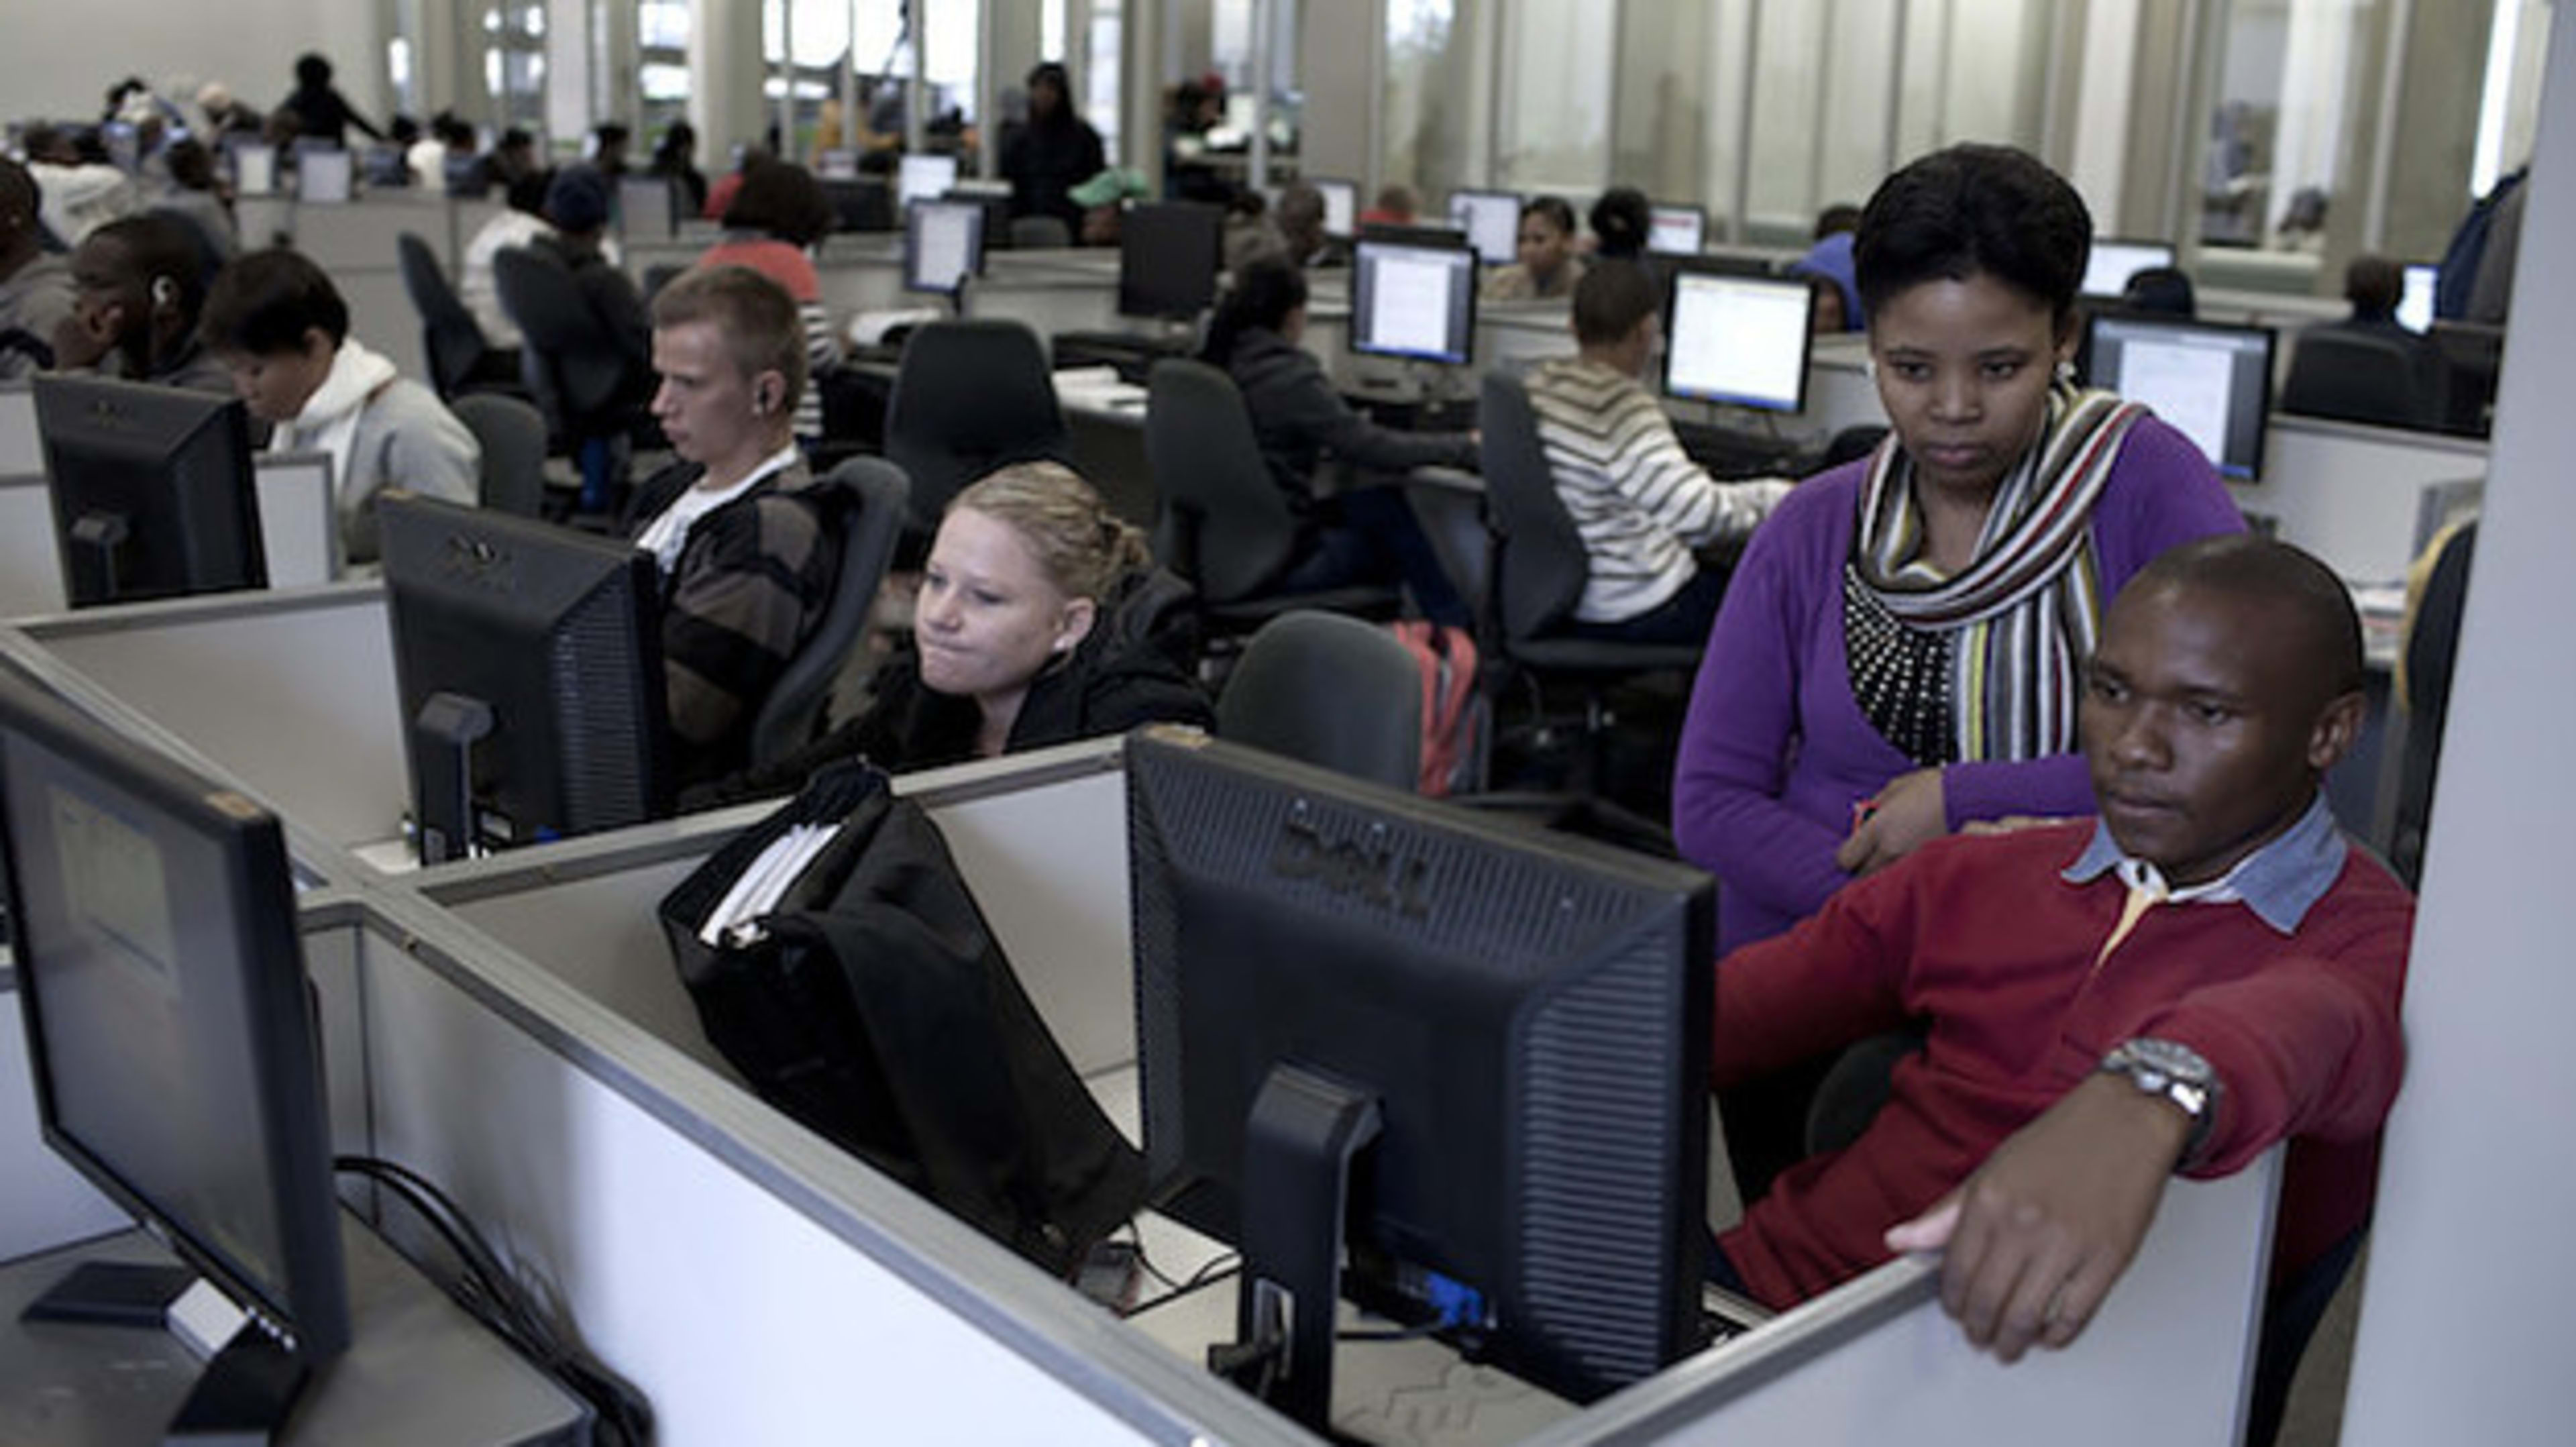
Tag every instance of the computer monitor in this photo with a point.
(2415, 303)
(838, 164)
(924, 178)
(1741, 340)
(943, 245)
(1678, 231)
(1413, 299)
(2212, 381)
(862, 203)
(385, 166)
(1492, 221)
(172, 1046)
(1341, 206)
(529, 659)
(1168, 257)
(2114, 261)
(254, 167)
(153, 492)
(467, 177)
(1476, 1055)
(647, 208)
(323, 176)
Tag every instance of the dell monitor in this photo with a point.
(943, 245)
(1492, 221)
(924, 178)
(1741, 340)
(1677, 231)
(529, 660)
(1341, 207)
(1168, 257)
(2415, 303)
(152, 490)
(1475, 1056)
(323, 175)
(2212, 381)
(173, 1051)
(2114, 261)
(1413, 298)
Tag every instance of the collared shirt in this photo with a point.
(2279, 881)
(668, 534)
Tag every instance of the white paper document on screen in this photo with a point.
(1409, 305)
(946, 236)
(1738, 341)
(2186, 386)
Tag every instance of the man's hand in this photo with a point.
(83, 336)
(1908, 813)
(2034, 1240)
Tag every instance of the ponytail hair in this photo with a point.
(1266, 289)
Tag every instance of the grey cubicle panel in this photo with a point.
(2351, 493)
(1047, 303)
(290, 694)
(22, 447)
(298, 532)
(31, 567)
(43, 1202)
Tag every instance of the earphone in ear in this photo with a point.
(165, 292)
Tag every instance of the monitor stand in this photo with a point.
(1302, 1136)
(247, 1388)
(442, 751)
(98, 536)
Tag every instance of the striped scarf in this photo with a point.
(2014, 625)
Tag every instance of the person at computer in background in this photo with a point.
(226, 115)
(675, 161)
(2375, 285)
(608, 142)
(2212, 908)
(1358, 535)
(720, 195)
(1394, 205)
(1041, 620)
(140, 288)
(1103, 200)
(577, 209)
(36, 294)
(1546, 268)
(1622, 221)
(2161, 290)
(321, 112)
(281, 329)
(1637, 499)
(1829, 262)
(195, 196)
(511, 168)
(1299, 217)
(80, 191)
(1055, 151)
(778, 216)
(745, 542)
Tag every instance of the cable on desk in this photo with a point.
(1218, 1268)
(487, 1291)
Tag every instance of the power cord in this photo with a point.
(486, 1290)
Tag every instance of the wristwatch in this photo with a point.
(2179, 1074)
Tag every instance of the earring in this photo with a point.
(2065, 370)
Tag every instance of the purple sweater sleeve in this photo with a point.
(1743, 731)
(2162, 491)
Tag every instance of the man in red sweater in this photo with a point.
(2204, 971)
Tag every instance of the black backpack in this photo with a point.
(875, 1007)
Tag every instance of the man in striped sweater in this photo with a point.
(1638, 500)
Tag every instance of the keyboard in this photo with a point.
(1730, 453)
(1416, 414)
(1132, 354)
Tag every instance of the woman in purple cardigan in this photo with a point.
(1901, 648)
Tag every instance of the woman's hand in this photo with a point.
(1906, 814)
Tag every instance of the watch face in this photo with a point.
(2175, 1062)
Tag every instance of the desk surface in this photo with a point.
(418, 1371)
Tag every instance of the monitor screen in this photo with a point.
(2114, 261)
(529, 659)
(1341, 207)
(154, 496)
(1492, 221)
(1524, 1015)
(863, 203)
(2415, 303)
(647, 210)
(1738, 339)
(840, 164)
(254, 167)
(467, 176)
(943, 245)
(924, 178)
(2213, 382)
(1413, 300)
(1168, 257)
(386, 166)
(1678, 231)
(322, 176)
(168, 1027)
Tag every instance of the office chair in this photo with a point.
(2357, 377)
(872, 515)
(512, 434)
(1040, 233)
(460, 358)
(2430, 651)
(1328, 690)
(592, 391)
(970, 396)
(1221, 521)
(1539, 569)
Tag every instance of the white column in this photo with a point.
(2098, 167)
(2473, 1261)
(724, 74)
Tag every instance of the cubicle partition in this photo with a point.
(2351, 494)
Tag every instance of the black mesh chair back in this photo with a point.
(576, 366)
(512, 435)
(451, 340)
(1329, 690)
(970, 396)
(2355, 377)
(1221, 521)
(872, 516)
(1539, 564)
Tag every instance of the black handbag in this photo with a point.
(875, 1007)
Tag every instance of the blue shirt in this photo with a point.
(2279, 881)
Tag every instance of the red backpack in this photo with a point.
(1450, 705)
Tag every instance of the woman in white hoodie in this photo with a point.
(282, 330)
